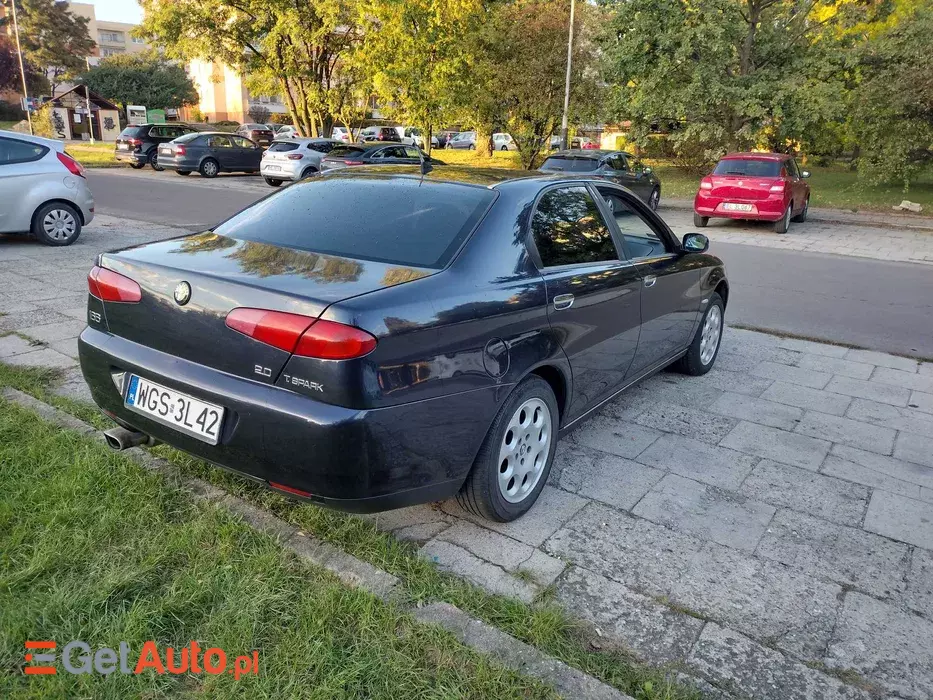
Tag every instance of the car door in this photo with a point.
(248, 154)
(221, 148)
(671, 296)
(799, 186)
(592, 290)
(390, 155)
(616, 169)
(22, 167)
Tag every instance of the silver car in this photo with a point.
(294, 158)
(42, 189)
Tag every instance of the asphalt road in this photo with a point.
(886, 306)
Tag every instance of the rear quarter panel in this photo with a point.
(24, 187)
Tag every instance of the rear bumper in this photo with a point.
(770, 209)
(178, 163)
(288, 170)
(353, 460)
(130, 157)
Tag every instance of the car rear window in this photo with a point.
(753, 167)
(282, 146)
(401, 221)
(132, 132)
(570, 165)
(189, 137)
(346, 152)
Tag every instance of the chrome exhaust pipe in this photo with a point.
(123, 439)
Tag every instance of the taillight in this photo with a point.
(779, 187)
(302, 335)
(706, 184)
(107, 285)
(352, 162)
(180, 150)
(134, 142)
(295, 156)
(74, 167)
(290, 489)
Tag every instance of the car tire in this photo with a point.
(491, 489)
(137, 166)
(504, 148)
(782, 224)
(272, 182)
(154, 161)
(209, 168)
(700, 221)
(308, 172)
(802, 216)
(472, 147)
(654, 200)
(704, 349)
(183, 173)
(56, 224)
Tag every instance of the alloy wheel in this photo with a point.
(524, 451)
(654, 200)
(59, 224)
(709, 341)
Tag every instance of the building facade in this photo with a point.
(112, 38)
(223, 94)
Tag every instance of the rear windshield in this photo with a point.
(748, 166)
(400, 221)
(186, 138)
(347, 151)
(570, 165)
(282, 146)
(134, 131)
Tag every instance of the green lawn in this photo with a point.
(97, 155)
(7, 126)
(542, 624)
(93, 548)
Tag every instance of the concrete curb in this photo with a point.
(840, 216)
(502, 648)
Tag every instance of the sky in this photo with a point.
(117, 10)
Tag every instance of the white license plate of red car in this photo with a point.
(175, 409)
(734, 206)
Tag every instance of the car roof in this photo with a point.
(751, 155)
(307, 139)
(54, 144)
(483, 177)
(591, 153)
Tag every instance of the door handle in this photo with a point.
(563, 301)
(650, 280)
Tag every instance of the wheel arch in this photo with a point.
(58, 200)
(559, 383)
(722, 289)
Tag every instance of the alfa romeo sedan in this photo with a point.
(377, 337)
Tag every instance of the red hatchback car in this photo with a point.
(760, 186)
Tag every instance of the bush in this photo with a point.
(280, 118)
(42, 124)
(10, 112)
(259, 114)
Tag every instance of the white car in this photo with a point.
(294, 159)
(341, 134)
(411, 136)
(42, 190)
(504, 142)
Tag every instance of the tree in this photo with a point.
(259, 114)
(282, 47)
(10, 78)
(415, 52)
(52, 38)
(892, 104)
(141, 79)
(728, 74)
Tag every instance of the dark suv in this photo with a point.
(380, 133)
(618, 166)
(139, 144)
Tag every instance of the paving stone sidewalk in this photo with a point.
(767, 529)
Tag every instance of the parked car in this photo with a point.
(257, 133)
(138, 145)
(294, 159)
(43, 190)
(757, 186)
(618, 166)
(210, 153)
(375, 153)
(574, 143)
(463, 140)
(379, 133)
(589, 144)
(284, 131)
(392, 338)
(340, 133)
(444, 137)
(412, 136)
(504, 142)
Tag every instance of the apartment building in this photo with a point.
(223, 94)
(111, 37)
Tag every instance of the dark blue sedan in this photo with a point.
(375, 338)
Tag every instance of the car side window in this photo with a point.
(568, 229)
(792, 168)
(240, 142)
(13, 151)
(412, 152)
(640, 238)
(220, 142)
(637, 166)
(618, 163)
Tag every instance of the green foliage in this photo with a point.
(141, 79)
(259, 113)
(43, 122)
(10, 76)
(52, 38)
(892, 105)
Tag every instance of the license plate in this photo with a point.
(165, 151)
(123, 147)
(273, 167)
(732, 206)
(175, 409)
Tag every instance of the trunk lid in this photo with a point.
(742, 186)
(225, 273)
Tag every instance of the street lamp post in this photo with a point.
(22, 69)
(563, 121)
(87, 97)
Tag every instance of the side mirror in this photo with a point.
(804, 173)
(647, 170)
(695, 243)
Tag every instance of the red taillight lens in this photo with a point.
(290, 489)
(74, 167)
(294, 156)
(302, 335)
(327, 340)
(107, 285)
(777, 187)
(706, 184)
(276, 328)
(180, 150)
(134, 142)
(352, 162)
